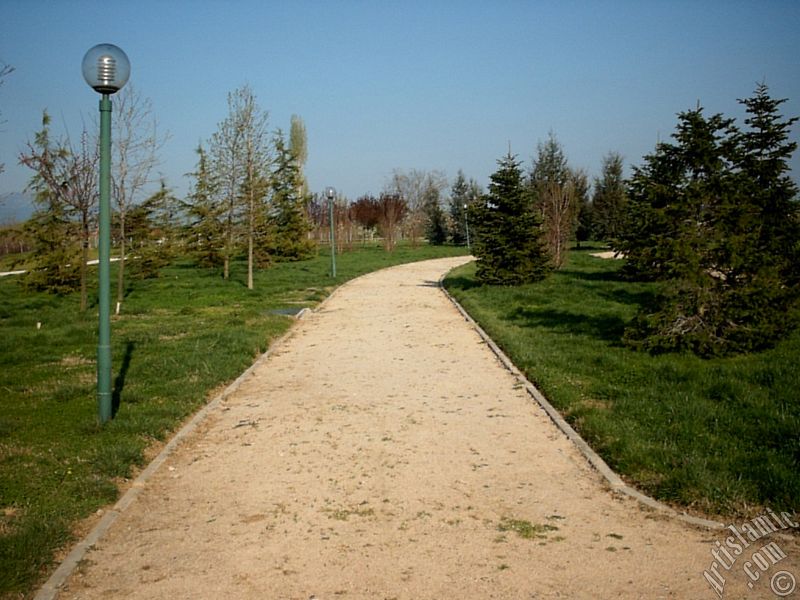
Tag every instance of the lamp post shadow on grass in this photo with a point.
(119, 382)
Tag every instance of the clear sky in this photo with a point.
(431, 84)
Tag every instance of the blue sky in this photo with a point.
(380, 85)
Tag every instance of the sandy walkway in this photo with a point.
(379, 453)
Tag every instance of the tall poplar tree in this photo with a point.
(298, 145)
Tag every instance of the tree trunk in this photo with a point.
(250, 256)
(251, 216)
(121, 268)
(84, 258)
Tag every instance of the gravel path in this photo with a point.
(381, 451)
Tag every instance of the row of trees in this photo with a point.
(712, 216)
(65, 191)
(524, 225)
(413, 205)
(248, 195)
(249, 191)
(362, 219)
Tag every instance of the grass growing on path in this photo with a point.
(179, 337)
(721, 436)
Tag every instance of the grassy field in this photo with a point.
(718, 436)
(178, 338)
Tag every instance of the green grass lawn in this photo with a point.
(178, 338)
(719, 436)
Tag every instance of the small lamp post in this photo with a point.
(106, 69)
(330, 194)
(466, 225)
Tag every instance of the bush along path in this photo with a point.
(382, 451)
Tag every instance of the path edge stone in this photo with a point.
(614, 481)
(52, 587)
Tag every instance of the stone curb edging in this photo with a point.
(614, 481)
(52, 586)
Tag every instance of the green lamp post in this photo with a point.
(106, 69)
(466, 225)
(330, 194)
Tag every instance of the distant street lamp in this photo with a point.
(466, 226)
(106, 69)
(330, 194)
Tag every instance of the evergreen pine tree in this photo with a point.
(288, 217)
(763, 154)
(463, 195)
(550, 164)
(206, 232)
(459, 198)
(584, 221)
(585, 229)
(673, 200)
(509, 244)
(436, 227)
(56, 256)
(756, 245)
(715, 218)
(263, 219)
(610, 199)
(151, 230)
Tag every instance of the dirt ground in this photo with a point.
(382, 452)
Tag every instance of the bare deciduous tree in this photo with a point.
(557, 202)
(556, 190)
(239, 155)
(392, 210)
(344, 224)
(82, 194)
(316, 207)
(135, 155)
(253, 122)
(416, 187)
